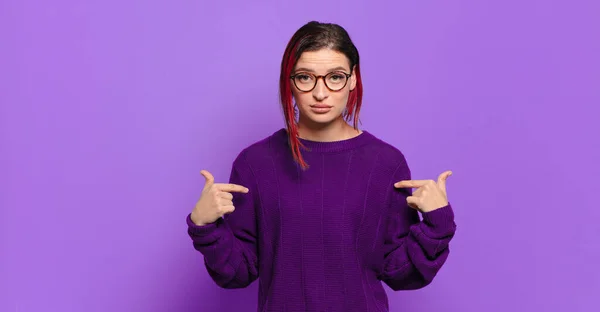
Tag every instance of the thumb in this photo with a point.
(210, 180)
(442, 180)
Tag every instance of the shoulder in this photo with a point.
(385, 151)
(389, 158)
(262, 150)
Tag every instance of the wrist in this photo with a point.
(438, 206)
(196, 220)
(200, 229)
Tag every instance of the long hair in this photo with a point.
(315, 36)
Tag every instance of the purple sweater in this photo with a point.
(326, 238)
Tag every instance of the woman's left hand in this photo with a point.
(430, 195)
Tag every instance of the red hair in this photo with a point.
(311, 37)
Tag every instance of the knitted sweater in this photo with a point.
(329, 237)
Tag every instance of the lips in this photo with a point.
(320, 108)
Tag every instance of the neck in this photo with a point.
(335, 131)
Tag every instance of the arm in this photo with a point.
(229, 245)
(414, 250)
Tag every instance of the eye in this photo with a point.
(336, 78)
(303, 78)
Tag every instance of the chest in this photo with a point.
(326, 198)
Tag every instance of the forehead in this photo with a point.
(322, 60)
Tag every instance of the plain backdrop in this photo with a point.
(110, 109)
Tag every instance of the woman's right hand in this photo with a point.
(215, 201)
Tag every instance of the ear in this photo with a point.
(353, 78)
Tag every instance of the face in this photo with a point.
(321, 105)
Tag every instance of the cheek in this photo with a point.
(302, 98)
(341, 98)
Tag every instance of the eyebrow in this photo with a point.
(312, 71)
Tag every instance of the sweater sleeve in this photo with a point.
(229, 245)
(415, 250)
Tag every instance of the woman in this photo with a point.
(313, 209)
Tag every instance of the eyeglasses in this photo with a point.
(334, 81)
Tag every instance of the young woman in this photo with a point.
(323, 212)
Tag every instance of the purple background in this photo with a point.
(109, 110)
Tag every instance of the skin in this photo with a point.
(216, 198)
(318, 126)
(429, 195)
(215, 201)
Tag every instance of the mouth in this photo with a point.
(320, 108)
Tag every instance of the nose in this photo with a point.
(320, 92)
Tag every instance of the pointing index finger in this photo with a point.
(230, 187)
(411, 183)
